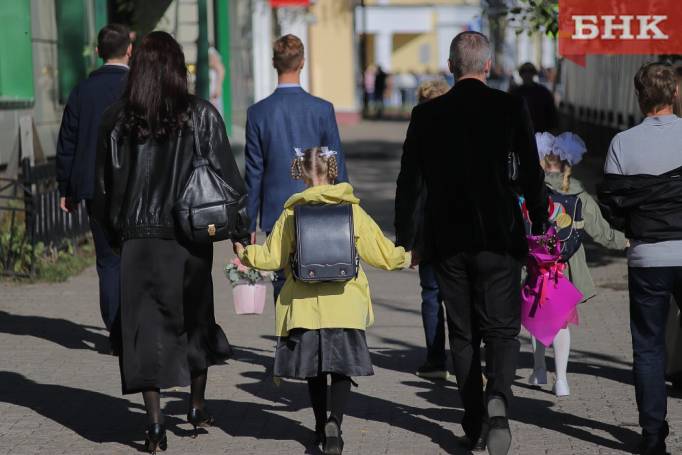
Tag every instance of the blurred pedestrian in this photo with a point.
(539, 100)
(459, 143)
(380, 85)
(433, 314)
(216, 76)
(641, 195)
(368, 86)
(147, 150)
(575, 214)
(76, 151)
(288, 120)
(407, 84)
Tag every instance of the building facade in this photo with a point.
(48, 46)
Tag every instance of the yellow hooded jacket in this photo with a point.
(333, 304)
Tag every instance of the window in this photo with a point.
(16, 53)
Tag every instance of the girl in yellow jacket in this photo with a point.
(321, 326)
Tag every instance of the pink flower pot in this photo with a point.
(249, 298)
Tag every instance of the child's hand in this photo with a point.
(238, 248)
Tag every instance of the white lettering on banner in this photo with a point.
(625, 27)
(587, 27)
(645, 27)
(581, 26)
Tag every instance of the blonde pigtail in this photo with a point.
(297, 169)
(566, 185)
(332, 169)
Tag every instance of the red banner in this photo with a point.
(282, 3)
(618, 27)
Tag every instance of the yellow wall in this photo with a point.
(332, 54)
(406, 50)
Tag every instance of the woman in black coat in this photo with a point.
(144, 159)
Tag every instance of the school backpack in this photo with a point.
(325, 243)
(566, 212)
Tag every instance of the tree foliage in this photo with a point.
(533, 16)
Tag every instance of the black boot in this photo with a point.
(333, 444)
(156, 438)
(319, 435)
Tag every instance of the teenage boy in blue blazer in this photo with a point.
(276, 127)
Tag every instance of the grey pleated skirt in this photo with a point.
(308, 353)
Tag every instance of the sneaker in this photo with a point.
(561, 388)
(428, 371)
(538, 377)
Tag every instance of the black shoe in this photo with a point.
(430, 371)
(156, 438)
(654, 444)
(499, 437)
(199, 418)
(333, 444)
(319, 436)
(480, 444)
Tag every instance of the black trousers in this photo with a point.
(109, 273)
(650, 292)
(482, 294)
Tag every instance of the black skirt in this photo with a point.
(308, 353)
(168, 325)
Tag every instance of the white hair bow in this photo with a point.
(326, 153)
(567, 146)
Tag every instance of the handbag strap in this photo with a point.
(199, 159)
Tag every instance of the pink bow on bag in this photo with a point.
(548, 298)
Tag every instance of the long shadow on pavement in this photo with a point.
(540, 413)
(59, 331)
(92, 415)
(292, 397)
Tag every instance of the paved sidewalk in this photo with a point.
(60, 392)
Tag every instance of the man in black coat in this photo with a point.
(539, 100)
(459, 146)
(76, 149)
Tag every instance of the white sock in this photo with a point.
(538, 354)
(562, 349)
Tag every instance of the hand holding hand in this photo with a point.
(253, 238)
(238, 248)
(66, 204)
(416, 259)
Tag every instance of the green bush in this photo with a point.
(51, 263)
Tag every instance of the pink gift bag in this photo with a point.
(249, 298)
(548, 298)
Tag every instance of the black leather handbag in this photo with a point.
(208, 209)
(325, 243)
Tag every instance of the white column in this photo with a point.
(548, 52)
(264, 76)
(293, 21)
(383, 49)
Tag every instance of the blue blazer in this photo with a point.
(77, 143)
(289, 118)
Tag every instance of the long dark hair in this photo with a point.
(156, 97)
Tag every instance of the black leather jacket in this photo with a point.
(648, 208)
(137, 185)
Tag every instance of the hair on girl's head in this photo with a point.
(315, 163)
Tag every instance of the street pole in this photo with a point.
(202, 82)
(363, 60)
